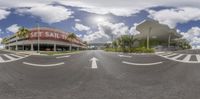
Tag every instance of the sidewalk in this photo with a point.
(39, 54)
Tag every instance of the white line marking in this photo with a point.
(145, 64)
(63, 56)
(16, 55)
(1, 59)
(198, 58)
(187, 58)
(94, 63)
(15, 59)
(124, 56)
(170, 55)
(175, 57)
(9, 57)
(43, 65)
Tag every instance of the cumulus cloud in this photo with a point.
(106, 32)
(81, 27)
(48, 13)
(125, 7)
(3, 14)
(173, 16)
(193, 36)
(119, 8)
(77, 20)
(133, 30)
(13, 28)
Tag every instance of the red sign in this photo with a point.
(47, 35)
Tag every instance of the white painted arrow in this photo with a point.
(94, 62)
(124, 56)
(63, 56)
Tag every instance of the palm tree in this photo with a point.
(71, 37)
(22, 33)
(125, 42)
(114, 44)
(4, 40)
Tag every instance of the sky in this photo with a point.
(99, 20)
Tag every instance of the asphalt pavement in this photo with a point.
(99, 75)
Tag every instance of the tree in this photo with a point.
(22, 33)
(71, 37)
(114, 44)
(4, 40)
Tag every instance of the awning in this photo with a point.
(155, 30)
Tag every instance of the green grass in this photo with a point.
(133, 50)
(58, 52)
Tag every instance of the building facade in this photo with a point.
(44, 39)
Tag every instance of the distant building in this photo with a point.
(49, 40)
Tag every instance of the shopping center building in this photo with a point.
(46, 39)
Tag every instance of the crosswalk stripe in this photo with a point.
(165, 54)
(198, 58)
(187, 58)
(1, 59)
(171, 55)
(9, 57)
(175, 57)
(16, 55)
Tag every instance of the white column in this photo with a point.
(31, 47)
(169, 40)
(148, 36)
(54, 47)
(70, 47)
(16, 48)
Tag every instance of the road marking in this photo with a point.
(198, 58)
(124, 56)
(187, 58)
(145, 64)
(175, 57)
(9, 57)
(170, 55)
(1, 59)
(16, 55)
(43, 65)
(94, 63)
(63, 56)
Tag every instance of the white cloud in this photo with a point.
(193, 36)
(3, 14)
(172, 17)
(13, 28)
(81, 27)
(77, 20)
(106, 32)
(48, 13)
(133, 30)
(119, 7)
(125, 7)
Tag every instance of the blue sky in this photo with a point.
(97, 20)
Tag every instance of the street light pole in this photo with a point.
(38, 39)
